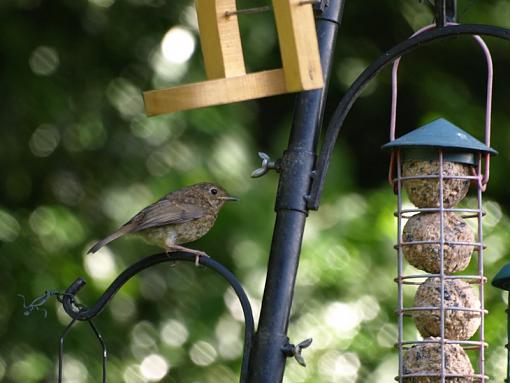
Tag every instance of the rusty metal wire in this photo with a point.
(37, 303)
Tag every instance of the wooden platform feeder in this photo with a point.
(224, 61)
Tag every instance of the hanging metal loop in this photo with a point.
(484, 178)
(353, 93)
(99, 338)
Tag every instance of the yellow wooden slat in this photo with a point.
(223, 56)
(220, 39)
(215, 92)
(298, 44)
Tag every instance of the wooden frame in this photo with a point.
(224, 61)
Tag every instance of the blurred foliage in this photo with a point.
(78, 158)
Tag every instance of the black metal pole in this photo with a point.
(502, 281)
(297, 164)
(507, 346)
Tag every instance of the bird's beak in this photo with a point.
(228, 198)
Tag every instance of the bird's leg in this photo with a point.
(198, 253)
(167, 252)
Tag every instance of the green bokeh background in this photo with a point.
(78, 158)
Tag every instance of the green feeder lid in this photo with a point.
(502, 278)
(430, 154)
(440, 134)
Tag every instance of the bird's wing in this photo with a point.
(164, 212)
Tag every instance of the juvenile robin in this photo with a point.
(179, 217)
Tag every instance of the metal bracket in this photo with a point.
(291, 350)
(267, 165)
(320, 6)
(446, 12)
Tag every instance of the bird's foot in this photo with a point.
(199, 254)
(173, 262)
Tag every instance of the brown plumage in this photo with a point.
(179, 217)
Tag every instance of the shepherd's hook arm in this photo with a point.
(86, 314)
(355, 90)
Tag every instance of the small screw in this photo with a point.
(295, 350)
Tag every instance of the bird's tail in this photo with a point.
(123, 230)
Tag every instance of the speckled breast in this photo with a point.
(193, 230)
(179, 233)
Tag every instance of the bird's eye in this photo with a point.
(213, 191)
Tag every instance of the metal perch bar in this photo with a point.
(86, 314)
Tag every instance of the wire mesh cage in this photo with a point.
(436, 165)
(437, 239)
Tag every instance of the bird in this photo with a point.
(179, 217)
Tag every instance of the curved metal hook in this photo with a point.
(488, 103)
(353, 93)
(89, 313)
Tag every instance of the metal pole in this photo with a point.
(297, 164)
(508, 341)
(502, 281)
